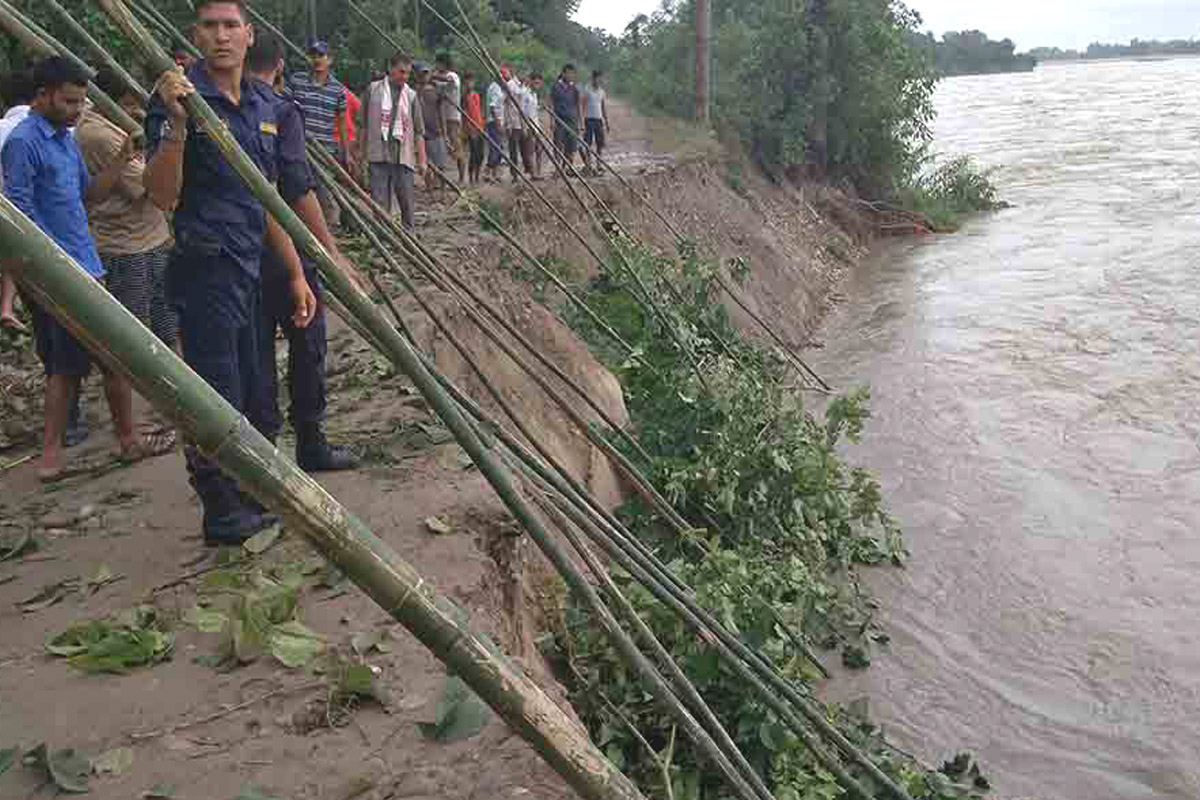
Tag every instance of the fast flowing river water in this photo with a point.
(1036, 398)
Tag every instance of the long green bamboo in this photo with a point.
(259, 19)
(112, 334)
(22, 29)
(398, 348)
(592, 518)
(639, 290)
(754, 659)
(714, 739)
(739, 774)
(96, 49)
(158, 20)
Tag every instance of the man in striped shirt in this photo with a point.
(322, 98)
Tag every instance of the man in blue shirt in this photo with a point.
(307, 347)
(220, 229)
(46, 178)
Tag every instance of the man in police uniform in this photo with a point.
(220, 227)
(307, 347)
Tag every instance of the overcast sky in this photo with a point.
(1030, 23)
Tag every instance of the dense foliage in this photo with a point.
(532, 34)
(827, 85)
(972, 53)
(1137, 48)
(782, 523)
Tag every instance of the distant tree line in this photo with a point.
(1135, 49)
(971, 53)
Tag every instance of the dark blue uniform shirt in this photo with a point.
(217, 214)
(295, 176)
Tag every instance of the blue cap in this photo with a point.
(318, 47)
(420, 66)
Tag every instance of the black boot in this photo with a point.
(315, 454)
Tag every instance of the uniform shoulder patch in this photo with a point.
(270, 128)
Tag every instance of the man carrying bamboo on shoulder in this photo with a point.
(220, 229)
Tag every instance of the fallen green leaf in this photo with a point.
(363, 643)
(460, 714)
(253, 793)
(160, 791)
(113, 762)
(98, 646)
(13, 546)
(357, 680)
(207, 621)
(260, 542)
(8, 757)
(438, 525)
(294, 645)
(66, 768)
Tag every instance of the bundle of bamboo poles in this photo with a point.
(556, 495)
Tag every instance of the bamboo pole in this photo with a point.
(97, 50)
(157, 19)
(725, 753)
(34, 38)
(743, 659)
(111, 333)
(259, 19)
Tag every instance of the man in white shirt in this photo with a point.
(495, 127)
(17, 91)
(595, 133)
(514, 127)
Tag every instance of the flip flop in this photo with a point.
(155, 443)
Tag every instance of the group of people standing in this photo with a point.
(165, 222)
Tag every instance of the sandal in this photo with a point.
(157, 442)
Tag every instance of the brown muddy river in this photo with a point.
(1036, 397)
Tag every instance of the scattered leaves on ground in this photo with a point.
(295, 645)
(260, 542)
(66, 768)
(17, 545)
(439, 526)
(8, 757)
(460, 714)
(113, 762)
(129, 640)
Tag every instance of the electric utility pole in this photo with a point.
(703, 59)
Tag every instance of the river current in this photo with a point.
(1036, 424)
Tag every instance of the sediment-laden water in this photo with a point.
(1036, 399)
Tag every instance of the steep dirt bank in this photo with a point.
(205, 731)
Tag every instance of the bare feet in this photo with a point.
(11, 322)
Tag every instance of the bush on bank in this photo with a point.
(827, 88)
(782, 523)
